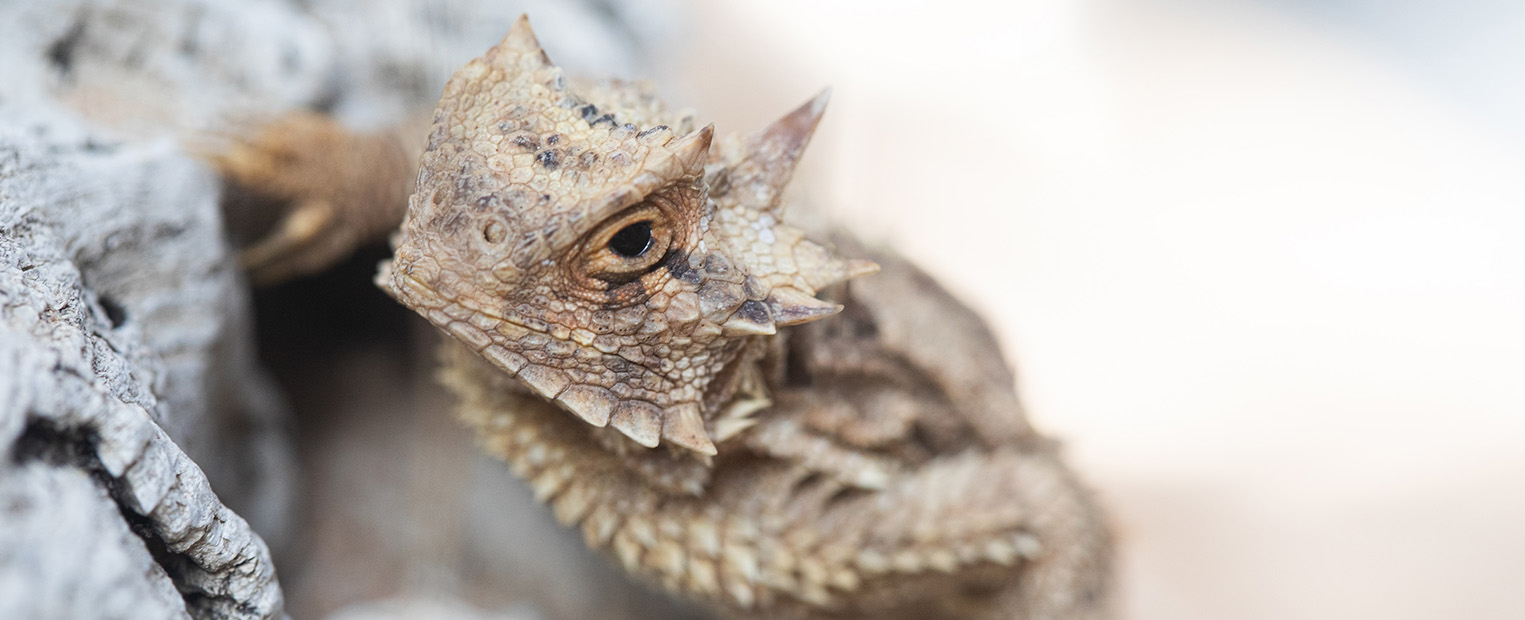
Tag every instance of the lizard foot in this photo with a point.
(336, 190)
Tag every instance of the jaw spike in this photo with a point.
(639, 420)
(521, 40)
(591, 403)
(683, 426)
(769, 156)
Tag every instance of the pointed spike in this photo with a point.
(737, 417)
(684, 426)
(521, 40)
(792, 306)
(745, 408)
(591, 403)
(770, 155)
(817, 105)
(628, 551)
(728, 428)
(750, 319)
(571, 506)
(692, 150)
(600, 524)
(787, 137)
(858, 267)
(796, 127)
(639, 420)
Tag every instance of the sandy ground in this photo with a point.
(1264, 281)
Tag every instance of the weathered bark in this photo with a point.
(129, 385)
(122, 334)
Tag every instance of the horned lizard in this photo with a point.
(686, 377)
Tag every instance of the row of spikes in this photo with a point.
(757, 173)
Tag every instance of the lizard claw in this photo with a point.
(305, 241)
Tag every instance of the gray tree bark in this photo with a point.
(146, 467)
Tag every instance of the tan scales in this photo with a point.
(685, 377)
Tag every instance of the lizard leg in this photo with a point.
(336, 189)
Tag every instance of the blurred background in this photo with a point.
(1258, 264)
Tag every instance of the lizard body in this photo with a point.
(638, 333)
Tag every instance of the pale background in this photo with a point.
(1259, 265)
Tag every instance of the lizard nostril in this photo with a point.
(632, 241)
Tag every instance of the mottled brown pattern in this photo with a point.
(675, 395)
(534, 286)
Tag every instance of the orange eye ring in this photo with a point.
(627, 245)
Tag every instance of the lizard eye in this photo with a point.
(632, 241)
(628, 245)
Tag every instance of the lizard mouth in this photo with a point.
(638, 418)
(479, 328)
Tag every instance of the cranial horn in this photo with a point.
(692, 150)
(769, 156)
(792, 307)
(521, 41)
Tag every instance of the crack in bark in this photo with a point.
(43, 441)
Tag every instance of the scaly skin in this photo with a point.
(341, 189)
(674, 394)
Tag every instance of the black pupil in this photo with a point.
(632, 241)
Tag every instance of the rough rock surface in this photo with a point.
(141, 444)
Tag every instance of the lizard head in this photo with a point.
(614, 265)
